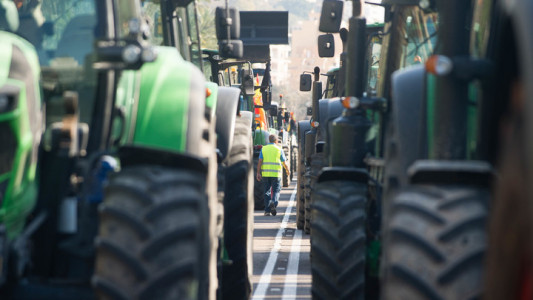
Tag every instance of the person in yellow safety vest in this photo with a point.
(269, 171)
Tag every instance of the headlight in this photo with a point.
(149, 54)
(131, 54)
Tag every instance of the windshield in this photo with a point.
(331, 85)
(421, 36)
(59, 30)
(183, 26)
(63, 33)
(151, 12)
(374, 53)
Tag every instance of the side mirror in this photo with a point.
(230, 48)
(331, 16)
(326, 45)
(223, 21)
(305, 82)
(309, 111)
(247, 82)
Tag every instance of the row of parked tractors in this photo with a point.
(414, 178)
(111, 94)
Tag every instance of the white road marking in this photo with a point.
(264, 281)
(291, 279)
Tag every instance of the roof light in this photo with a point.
(439, 65)
(149, 54)
(131, 54)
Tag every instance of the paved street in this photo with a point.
(281, 253)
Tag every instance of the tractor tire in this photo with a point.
(259, 189)
(436, 243)
(286, 175)
(238, 216)
(338, 246)
(312, 175)
(285, 179)
(154, 240)
(307, 200)
(294, 162)
(300, 199)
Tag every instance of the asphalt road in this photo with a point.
(282, 269)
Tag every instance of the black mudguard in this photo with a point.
(226, 113)
(138, 155)
(343, 173)
(408, 120)
(479, 173)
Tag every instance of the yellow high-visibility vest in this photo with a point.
(271, 166)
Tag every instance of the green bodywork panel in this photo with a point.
(20, 194)
(126, 95)
(260, 137)
(162, 114)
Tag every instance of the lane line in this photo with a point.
(264, 281)
(291, 279)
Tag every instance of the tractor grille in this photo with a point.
(8, 148)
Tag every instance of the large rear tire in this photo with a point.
(436, 243)
(300, 198)
(307, 199)
(286, 175)
(153, 240)
(311, 176)
(338, 244)
(238, 216)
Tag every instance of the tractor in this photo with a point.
(467, 168)
(346, 199)
(145, 115)
(237, 171)
(21, 126)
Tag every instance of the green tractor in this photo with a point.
(323, 110)
(238, 178)
(21, 126)
(333, 89)
(154, 232)
(346, 199)
(473, 101)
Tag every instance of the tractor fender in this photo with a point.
(226, 113)
(407, 128)
(330, 109)
(171, 109)
(343, 173)
(322, 116)
(479, 173)
(133, 155)
(334, 110)
(303, 127)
